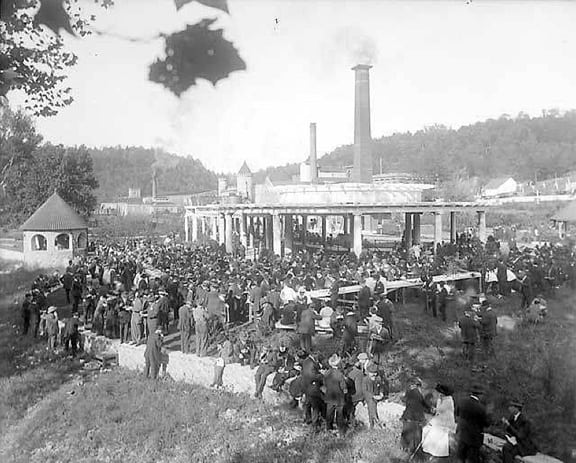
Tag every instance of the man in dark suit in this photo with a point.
(335, 395)
(502, 276)
(385, 309)
(472, 418)
(307, 328)
(311, 378)
(185, 325)
(364, 296)
(413, 416)
(527, 291)
(518, 434)
(153, 354)
(468, 332)
(442, 300)
(67, 280)
(488, 324)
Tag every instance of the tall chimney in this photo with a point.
(154, 184)
(313, 156)
(362, 171)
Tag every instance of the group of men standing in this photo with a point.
(478, 326)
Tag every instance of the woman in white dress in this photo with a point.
(437, 433)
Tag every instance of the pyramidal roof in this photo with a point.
(54, 214)
(244, 170)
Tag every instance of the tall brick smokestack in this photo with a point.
(154, 184)
(362, 171)
(313, 155)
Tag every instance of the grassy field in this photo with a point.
(55, 409)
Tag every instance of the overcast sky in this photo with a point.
(448, 62)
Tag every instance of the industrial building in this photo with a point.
(271, 214)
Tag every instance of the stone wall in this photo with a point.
(238, 379)
(97, 345)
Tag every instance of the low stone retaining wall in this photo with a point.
(198, 370)
(237, 379)
(96, 345)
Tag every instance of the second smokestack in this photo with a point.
(313, 155)
(154, 184)
(362, 171)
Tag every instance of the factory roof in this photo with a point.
(54, 214)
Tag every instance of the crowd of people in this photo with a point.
(139, 291)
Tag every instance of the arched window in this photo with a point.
(62, 241)
(39, 243)
(82, 241)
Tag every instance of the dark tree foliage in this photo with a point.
(33, 58)
(32, 54)
(119, 168)
(31, 171)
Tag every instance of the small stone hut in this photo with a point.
(53, 235)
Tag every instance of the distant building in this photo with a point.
(134, 193)
(564, 217)
(499, 187)
(53, 235)
(244, 183)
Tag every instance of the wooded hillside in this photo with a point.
(119, 168)
(523, 147)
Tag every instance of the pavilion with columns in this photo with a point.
(275, 223)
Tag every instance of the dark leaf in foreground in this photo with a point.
(195, 53)
(53, 15)
(220, 4)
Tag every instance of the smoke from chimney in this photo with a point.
(362, 172)
(313, 154)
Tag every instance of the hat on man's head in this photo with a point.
(516, 403)
(476, 389)
(363, 357)
(52, 309)
(302, 354)
(484, 303)
(415, 381)
(334, 361)
(444, 389)
(372, 369)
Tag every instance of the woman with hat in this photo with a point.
(436, 434)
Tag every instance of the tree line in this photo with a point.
(118, 168)
(526, 148)
(31, 170)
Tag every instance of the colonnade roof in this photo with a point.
(340, 209)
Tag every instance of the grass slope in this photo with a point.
(51, 410)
